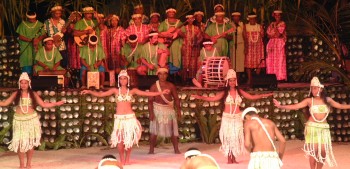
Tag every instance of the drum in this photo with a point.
(133, 77)
(214, 70)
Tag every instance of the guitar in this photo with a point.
(58, 37)
(84, 39)
(216, 37)
(167, 41)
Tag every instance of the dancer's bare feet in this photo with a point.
(177, 152)
(151, 152)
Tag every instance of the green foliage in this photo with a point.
(208, 126)
(2, 136)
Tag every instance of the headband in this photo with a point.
(236, 14)
(101, 166)
(123, 73)
(192, 153)
(48, 39)
(231, 74)
(31, 16)
(198, 13)
(56, 8)
(152, 34)
(252, 16)
(219, 13)
(88, 10)
(162, 69)
(136, 16)
(277, 11)
(24, 76)
(115, 16)
(100, 15)
(154, 14)
(170, 10)
(219, 5)
(208, 43)
(247, 110)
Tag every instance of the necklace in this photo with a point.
(173, 25)
(229, 93)
(53, 51)
(190, 37)
(123, 97)
(255, 29)
(139, 33)
(30, 27)
(133, 51)
(150, 52)
(89, 53)
(217, 28)
(92, 23)
(20, 105)
(205, 53)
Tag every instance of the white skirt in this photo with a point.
(127, 130)
(264, 160)
(164, 124)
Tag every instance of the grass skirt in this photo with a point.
(164, 124)
(231, 134)
(264, 160)
(318, 137)
(26, 132)
(127, 129)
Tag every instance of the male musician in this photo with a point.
(87, 25)
(138, 9)
(131, 52)
(236, 45)
(30, 36)
(154, 22)
(92, 56)
(169, 30)
(254, 46)
(116, 40)
(198, 16)
(164, 111)
(56, 27)
(48, 58)
(138, 28)
(218, 8)
(207, 51)
(259, 136)
(218, 33)
(153, 55)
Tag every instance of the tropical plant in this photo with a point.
(208, 126)
(3, 133)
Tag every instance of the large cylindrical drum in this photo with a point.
(214, 70)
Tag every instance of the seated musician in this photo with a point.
(92, 56)
(153, 55)
(48, 59)
(207, 51)
(131, 52)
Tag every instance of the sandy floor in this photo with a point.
(164, 158)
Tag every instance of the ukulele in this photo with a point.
(167, 41)
(84, 39)
(216, 37)
(58, 37)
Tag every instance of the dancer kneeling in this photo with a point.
(259, 134)
(127, 129)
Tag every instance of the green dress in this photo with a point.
(175, 48)
(205, 54)
(50, 60)
(131, 55)
(221, 44)
(28, 30)
(151, 56)
(91, 56)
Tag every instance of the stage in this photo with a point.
(88, 158)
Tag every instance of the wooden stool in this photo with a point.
(93, 79)
(58, 73)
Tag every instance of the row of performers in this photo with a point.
(243, 43)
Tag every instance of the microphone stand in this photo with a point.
(235, 54)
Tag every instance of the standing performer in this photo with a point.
(218, 8)
(276, 56)
(131, 52)
(73, 48)
(155, 22)
(318, 145)
(26, 126)
(127, 129)
(164, 111)
(199, 20)
(138, 28)
(170, 30)
(218, 33)
(56, 27)
(254, 46)
(237, 44)
(190, 49)
(116, 40)
(86, 27)
(30, 36)
(153, 55)
(231, 130)
(138, 9)
(259, 136)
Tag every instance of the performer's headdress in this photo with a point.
(123, 73)
(247, 110)
(162, 69)
(208, 42)
(100, 15)
(114, 16)
(251, 15)
(189, 16)
(219, 13)
(231, 74)
(136, 16)
(236, 14)
(48, 39)
(132, 38)
(24, 76)
(277, 11)
(191, 153)
(219, 5)
(31, 15)
(317, 83)
(88, 9)
(154, 14)
(198, 13)
(138, 6)
(56, 8)
(152, 34)
(170, 10)
(109, 163)
(93, 39)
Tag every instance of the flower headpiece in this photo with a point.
(231, 74)
(219, 5)
(88, 9)
(198, 13)
(154, 14)
(123, 73)
(56, 8)
(24, 76)
(136, 16)
(170, 10)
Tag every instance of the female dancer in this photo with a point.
(318, 145)
(127, 129)
(26, 126)
(231, 130)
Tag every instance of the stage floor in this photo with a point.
(88, 158)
